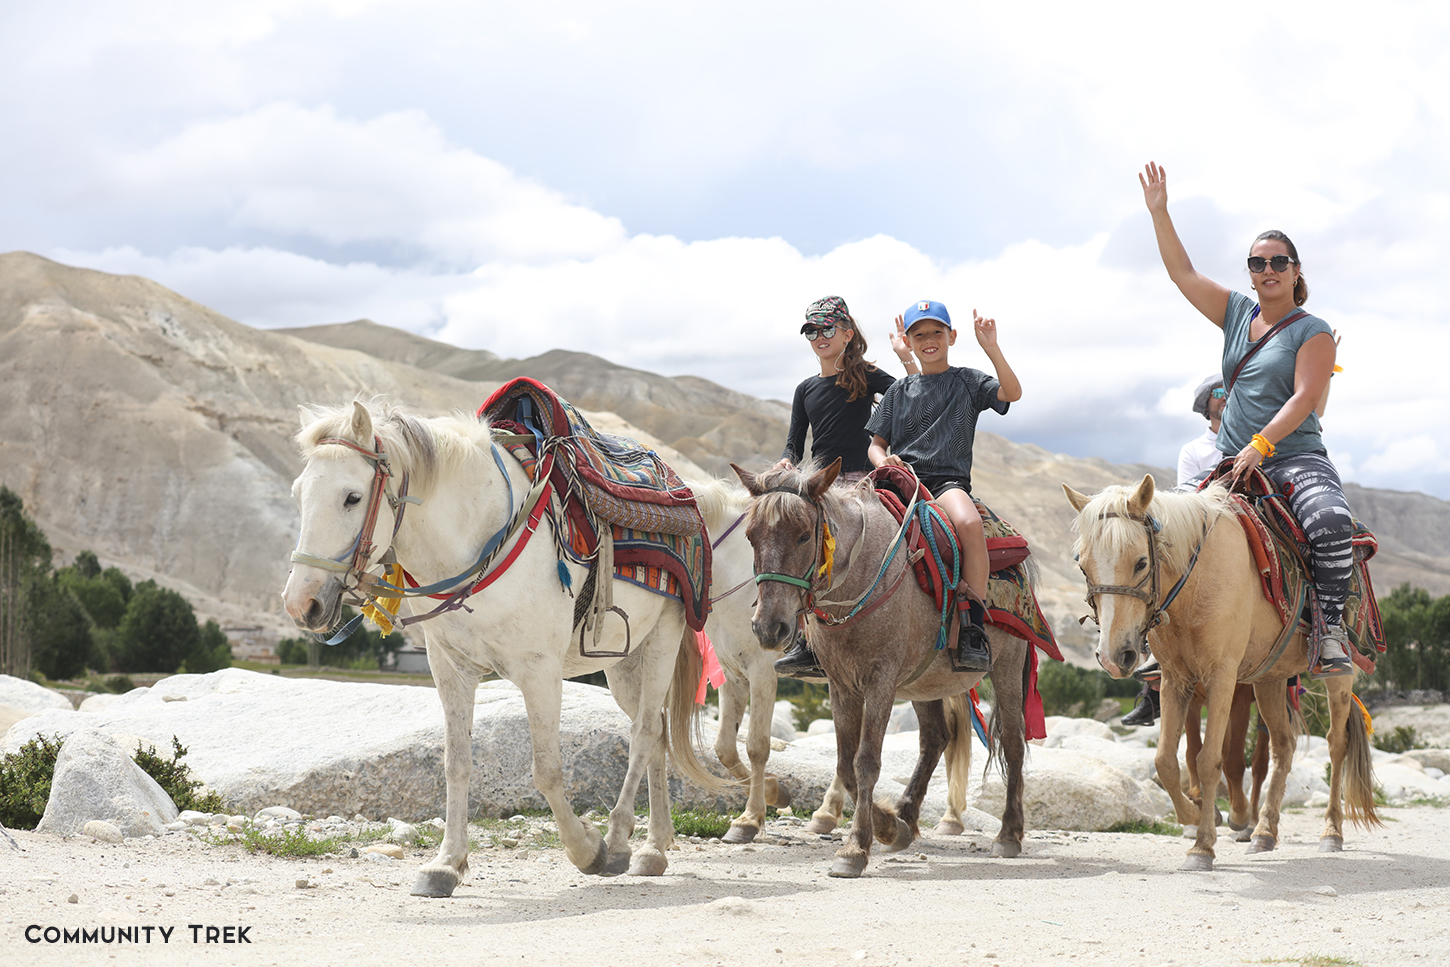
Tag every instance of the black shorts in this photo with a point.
(940, 485)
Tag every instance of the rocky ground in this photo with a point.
(1072, 898)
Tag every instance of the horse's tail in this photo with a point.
(1358, 771)
(683, 722)
(958, 755)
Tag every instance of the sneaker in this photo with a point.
(971, 653)
(1334, 660)
(1146, 711)
(800, 662)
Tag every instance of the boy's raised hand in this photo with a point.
(986, 329)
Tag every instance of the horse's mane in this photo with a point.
(1182, 516)
(720, 502)
(422, 447)
(773, 509)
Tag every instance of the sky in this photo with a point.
(668, 185)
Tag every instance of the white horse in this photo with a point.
(520, 626)
(750, 676)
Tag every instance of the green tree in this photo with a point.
(61, 645)
(1069, 690)
(1417, 639)
(158, 632)
(213, 651)
(24, 558)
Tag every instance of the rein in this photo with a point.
(1156, 612)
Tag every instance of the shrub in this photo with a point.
(177, 780)
(1069, 690)
(1401, 740)
(25, 782)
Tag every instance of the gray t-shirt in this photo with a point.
(1266, 383)
(930, 420)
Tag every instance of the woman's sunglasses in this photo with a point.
(825, 332)
(1219, 393)
(1257, 263)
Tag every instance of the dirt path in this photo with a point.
(1072, 898)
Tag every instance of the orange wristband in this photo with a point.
(1265, 448)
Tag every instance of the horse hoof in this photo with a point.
(435, 883)
(1244, 835)
(1262, 844)
(821, 825)
(903, 838)
(1006, 849)
(850, 866)
(740, 833)
(1190, 832)
(596, 865)
(1197, 863)
(647, 863)
(616, 864)
(949, 828)
(1331, 844)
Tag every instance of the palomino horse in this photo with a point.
(519, 625)
(886, 650)
(1243, 809)
(1213, 629)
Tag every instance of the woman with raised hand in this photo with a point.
(1277, 361)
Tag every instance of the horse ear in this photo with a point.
(1078, 501)
(748, 479)
(822, 479)
(1142, 495)
(304, 415)
(362, 423)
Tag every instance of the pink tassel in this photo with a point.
(713, 674)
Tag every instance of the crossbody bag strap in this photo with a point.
(1278, 328)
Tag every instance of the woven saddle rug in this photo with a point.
(659, 539)
(1011, 603)
(1281, 555)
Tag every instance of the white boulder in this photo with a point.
(96, 779)
(29, 696)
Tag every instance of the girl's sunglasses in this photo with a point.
(825, 332)
(1258, 263)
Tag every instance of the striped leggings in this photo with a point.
(1317, 499)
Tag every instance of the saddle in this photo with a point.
(1282, 557)
(657, 535)
(1011, 603)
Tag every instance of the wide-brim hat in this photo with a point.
(1201, 395)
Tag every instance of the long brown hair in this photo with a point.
(1301, 287)
(853, 367)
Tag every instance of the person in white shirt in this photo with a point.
(1201, 454)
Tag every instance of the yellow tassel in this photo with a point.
(1368, 721)
(828, 552)
(378, 610)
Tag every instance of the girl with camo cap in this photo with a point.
(835, 405)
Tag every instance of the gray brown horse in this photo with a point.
(884, 651)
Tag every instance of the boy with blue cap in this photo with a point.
(929, 422)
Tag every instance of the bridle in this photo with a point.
(361, 552)
(807, 581)
(1156, 612)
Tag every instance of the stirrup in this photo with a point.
(1332, 668)
(800, 662)
(1149, 672)
(971, 653)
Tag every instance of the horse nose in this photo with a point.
(771, 633)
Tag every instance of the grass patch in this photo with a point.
(1313, 960)
(294, 843)
(1156, 828)
(704, 823)
(1439, 801)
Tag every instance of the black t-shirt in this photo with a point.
(930, 420)
(838, 427)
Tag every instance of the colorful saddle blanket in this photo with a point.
(660, 541)
(1011, 602)
(1281, 555)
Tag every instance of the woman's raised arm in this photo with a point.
(1206, 295)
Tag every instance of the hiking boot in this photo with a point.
(800, 662)
(1149, 671)
(1146, 711)
(1334, 658)
(971, 653)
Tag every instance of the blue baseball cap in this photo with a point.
(926, 309)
